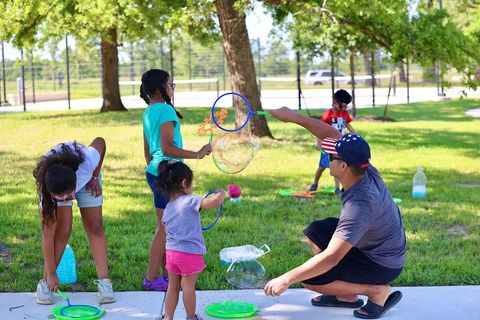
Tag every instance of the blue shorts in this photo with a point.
(324, 160)
(84, 198)
(159, 200)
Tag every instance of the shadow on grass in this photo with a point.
(460, 142)
(449, 110)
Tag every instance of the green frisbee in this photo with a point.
(231, 310)
(397, 200)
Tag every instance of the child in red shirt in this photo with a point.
(339, 118)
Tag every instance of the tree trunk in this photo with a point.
(352, 80)
(240, 63)
(368, 66)
(110, 88)
(401, 72)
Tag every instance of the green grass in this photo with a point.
(436, 136)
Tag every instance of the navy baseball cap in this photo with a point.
(351, 148)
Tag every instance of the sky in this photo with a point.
(259, 25)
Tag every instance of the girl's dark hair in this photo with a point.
(153, 80)
(56, 173)
(170, 176)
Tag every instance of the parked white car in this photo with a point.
(324, 76)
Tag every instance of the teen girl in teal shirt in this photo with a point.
(162, 140)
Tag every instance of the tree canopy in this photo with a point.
(339, 25)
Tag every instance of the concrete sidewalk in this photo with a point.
(439, 303)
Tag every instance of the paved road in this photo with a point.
(271, 99)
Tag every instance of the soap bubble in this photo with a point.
(244, 271)
(233, 151)
(246, 274)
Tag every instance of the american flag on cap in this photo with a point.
(328, 145)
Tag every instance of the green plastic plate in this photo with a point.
(288, 192)
(327, 190)
(231, 310)
(79, 312)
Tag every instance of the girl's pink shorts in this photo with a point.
(184, 264)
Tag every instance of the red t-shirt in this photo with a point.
(337, 120)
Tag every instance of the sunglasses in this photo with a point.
(332, 157)
(172, 85)
(65, 197)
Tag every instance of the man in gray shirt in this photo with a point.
(364, 250)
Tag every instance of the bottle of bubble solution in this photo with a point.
(419, 184)
(234, 192)
(67, 269)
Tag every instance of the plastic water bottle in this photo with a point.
(419, 184)
(67, 269)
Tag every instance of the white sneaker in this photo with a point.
(105, 291)
(44, 295)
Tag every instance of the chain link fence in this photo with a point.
(55, 73)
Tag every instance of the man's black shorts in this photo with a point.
(355, 267)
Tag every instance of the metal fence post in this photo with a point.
(171, 63)
(3, 75)
(68, 71)
(161, 55)
(332, 74)
(442, 93)
(189, 47)
(395, 85)
(23, 84)
(33, 76)
(259, 63)
(171, 57)
(373, 77)
(408, 81)
(299, 85)
(132, 68)
(223, 69)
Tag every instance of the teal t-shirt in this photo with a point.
(153, 117)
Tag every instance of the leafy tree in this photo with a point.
(199, 20)
(26, 22)
(466, 15)
(420, 35)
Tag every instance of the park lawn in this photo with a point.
(443, 229)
